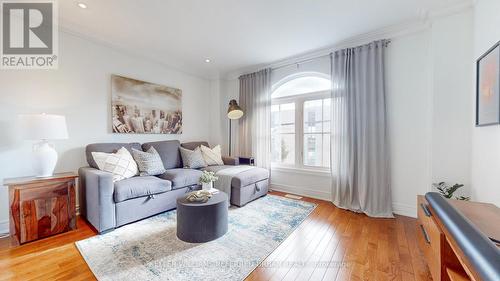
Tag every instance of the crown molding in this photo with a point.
(424, 22)
(452, 9)
(392, 31)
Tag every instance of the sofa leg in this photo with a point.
(106, 231)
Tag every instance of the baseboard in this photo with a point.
(4, 227)
(308, 192)
(398, 208)
(404, 209)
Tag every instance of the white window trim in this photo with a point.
(312, 171)
(299, 100)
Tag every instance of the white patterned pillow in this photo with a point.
(192, 158)
(121, 164)
(149, 162)
(212, 156)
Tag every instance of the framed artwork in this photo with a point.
(488, 87)
(140, 107)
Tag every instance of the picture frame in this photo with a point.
(488, 87)
(140, 107)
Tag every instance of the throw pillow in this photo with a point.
(212, 156)
(192, 158)
(121, 164)
(149, 162)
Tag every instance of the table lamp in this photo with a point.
(42, 128)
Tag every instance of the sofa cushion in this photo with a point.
(182, 177)
(108, 148)
(192, 158)
(149, 162)
(244, 178)
(121, 164)
(169, 152)
(212, 156)
(140, 186)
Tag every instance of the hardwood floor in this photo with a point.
(331, 244)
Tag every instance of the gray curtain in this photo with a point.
(360, 150)
(255, 125)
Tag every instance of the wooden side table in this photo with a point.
(41, 207)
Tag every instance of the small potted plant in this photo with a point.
(447, 190)
(207, 180)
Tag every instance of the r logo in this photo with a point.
(27, 28)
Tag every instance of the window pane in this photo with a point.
(275, 112)
(326, 115)
(302, 85)
(287, 118)
(287, 149)
(326, 126)
(283, 133)
(326, 150)
(313, 148)
(313, 116)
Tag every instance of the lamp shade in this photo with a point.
(43, 127)
(234, 111)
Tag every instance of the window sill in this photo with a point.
(325, 172)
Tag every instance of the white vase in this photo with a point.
(44, 159)
(207, 185)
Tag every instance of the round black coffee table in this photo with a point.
(202, 222)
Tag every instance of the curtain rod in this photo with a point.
(311, 59)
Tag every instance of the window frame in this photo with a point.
(299, 101)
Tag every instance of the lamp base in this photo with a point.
(44, 159)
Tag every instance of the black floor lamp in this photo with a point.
(234, 111)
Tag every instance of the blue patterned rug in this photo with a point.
(150, 250)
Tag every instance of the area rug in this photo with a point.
(150, 250)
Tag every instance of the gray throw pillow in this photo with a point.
(149, 162)
(192, 158)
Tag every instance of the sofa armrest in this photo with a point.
(97, 189)
(234, 161)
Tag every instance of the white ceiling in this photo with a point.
(234, 34)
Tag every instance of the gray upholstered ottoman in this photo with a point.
(202, 222)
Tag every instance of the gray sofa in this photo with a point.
(107, 205)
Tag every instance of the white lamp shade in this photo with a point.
(43, 127)
(235, 114)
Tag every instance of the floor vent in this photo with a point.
(291, 196)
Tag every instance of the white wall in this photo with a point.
(80, 90)
(452, 71)
(485, 140)
(429, 81)
(409, 104)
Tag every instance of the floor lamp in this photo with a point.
(234, 111)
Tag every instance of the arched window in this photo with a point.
(300, 121)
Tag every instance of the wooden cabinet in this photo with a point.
(41, 207)
(444, 258)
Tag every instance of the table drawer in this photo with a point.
(429, 237)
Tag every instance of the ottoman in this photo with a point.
(202, 222)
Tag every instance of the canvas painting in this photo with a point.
(488, 88)
(140, 107)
